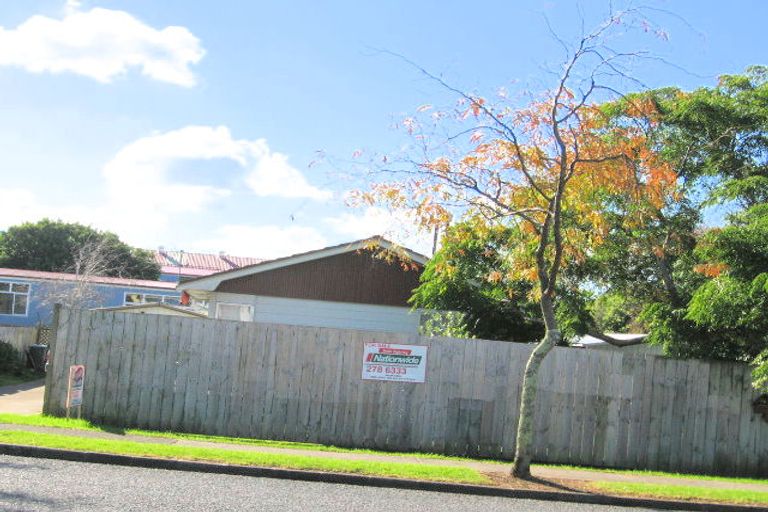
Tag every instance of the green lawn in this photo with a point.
(682, 492)
(26, 375)
(390, 469)
(51, 421)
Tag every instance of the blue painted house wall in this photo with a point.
(169, 278)
(40, 308)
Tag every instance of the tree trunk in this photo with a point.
(665, 270)
(521, 467)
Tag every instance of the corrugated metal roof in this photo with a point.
(187, 271)
(61, 276)
(200, 261)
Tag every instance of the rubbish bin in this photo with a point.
(37, 354)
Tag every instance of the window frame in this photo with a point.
(13, 294)
(163, 299)
(250, 307)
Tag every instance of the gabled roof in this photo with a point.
(61, 276)
(152, 305)
(199, 264)
(210, 283)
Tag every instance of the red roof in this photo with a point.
(61, 276)
(187, 271)
(199, 264)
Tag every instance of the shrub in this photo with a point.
(10, 359)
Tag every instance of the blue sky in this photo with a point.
(196, 125)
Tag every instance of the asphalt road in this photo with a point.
(28, 484)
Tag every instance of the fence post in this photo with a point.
(48, 408)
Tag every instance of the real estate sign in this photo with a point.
(76, 380)
(399, 363)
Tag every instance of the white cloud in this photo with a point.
(19, 205)
(398, 226)
(140, 199)
(266, 242)
(137, 175)
(143, 163)
(273, 176)
(101, 44)
(23, 205)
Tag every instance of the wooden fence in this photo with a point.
(19, 337)
(304, 384)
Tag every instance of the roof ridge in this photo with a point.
(21, 273)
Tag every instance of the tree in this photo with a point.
(56, 246)
(473, 275)
(541, 169)
(734, 300)
(93, 258)
(615, 312)
(721, 132)
(700, 290)
(470, 275)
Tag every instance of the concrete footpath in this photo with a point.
(26, 398)
(498, 472)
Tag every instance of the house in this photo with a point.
(348, 286)
(27, 297)
(176, 266)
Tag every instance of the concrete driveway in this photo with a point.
(24, 398)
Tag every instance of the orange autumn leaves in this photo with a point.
(509, 164)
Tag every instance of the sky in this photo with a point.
(226, 126)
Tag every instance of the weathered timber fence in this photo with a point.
(304, 384)
(19, 337)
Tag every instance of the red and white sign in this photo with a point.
(399, 363)
(76, 381)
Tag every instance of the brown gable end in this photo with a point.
(350, 277)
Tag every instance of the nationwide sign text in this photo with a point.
(400, 363)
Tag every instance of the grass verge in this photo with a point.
(389, 469)
(642, 472)
(51, 421)
(55, 422)
(683, 492)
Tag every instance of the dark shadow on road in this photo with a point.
(25, 498)
(13, 465)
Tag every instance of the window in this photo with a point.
(241, 312)
(14, 298)
(148, 298)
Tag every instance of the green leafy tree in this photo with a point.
(715, 139)
(471, 274)
(57, 246)
(721, 132)
(734, 301)
(615, 312)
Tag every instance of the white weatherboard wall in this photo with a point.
(319, 313)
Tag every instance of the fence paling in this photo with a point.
(304, 384)
(19, 338)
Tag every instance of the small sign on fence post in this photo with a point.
(399, 363)
(75, 388)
